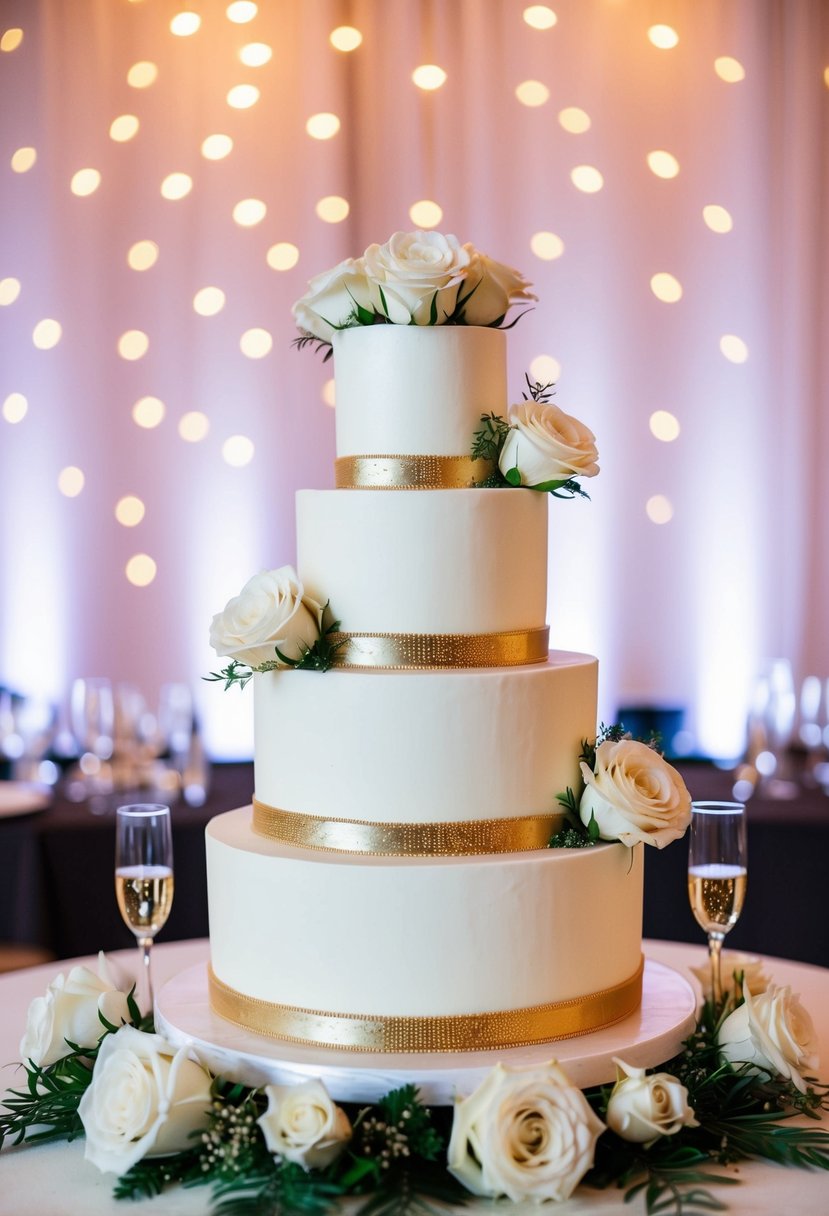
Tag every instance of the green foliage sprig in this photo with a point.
(319, 657)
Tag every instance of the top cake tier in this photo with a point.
(416, 390)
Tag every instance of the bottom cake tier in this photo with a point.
(429, 954)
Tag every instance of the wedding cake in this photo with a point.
(391, 887)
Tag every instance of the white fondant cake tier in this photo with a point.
(411, 747)
(425, 561)
(405, 389)
(418, 937)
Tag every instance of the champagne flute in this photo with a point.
(144, 876)
(717, 874)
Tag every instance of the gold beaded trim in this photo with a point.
(460, 1032)
(474, 837)
(428, 651)
(411, 472)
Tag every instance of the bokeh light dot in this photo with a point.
(142, 255)
(663, 36)
(826, 77)
(666, 287)
(123, 128)
(659, 509)
(11, 39)
(148, 412)
(544, 369)
(184, 24)
(9, 290)
(256, 343)
(255, 54)
(242, 96)
(586, 178)
(176, 186)
(141, 75)
(193, 426)
(216, 147)
(282, 256)
(663, 164)
(425, 213)
(249, 212)
(717, 218)
(47, 333)
(133, 345)
(71, 481)
(15, 407)
(322, 126)
(129, 510)
(140, 570)
(574, 120)
(664, 425)
(729, 69)
(329, 393)
(532, 93)
(23, 159)
(539, 17)
(332, 209)
(241, 11)
(547, 246)
(734, 348)
(238, 451)
(345, 38)
(428, 76)
(85, 182)
(208, 301)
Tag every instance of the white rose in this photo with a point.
(332, 297)
(635, 795)
(71, 1010)
(526, 1133)
(771, 1032)
(547, 445)
(642, 1108)
(496, 288)
(419, 274)
(271, 610)
(734, 964)
(145, 1099)
(303, 1125)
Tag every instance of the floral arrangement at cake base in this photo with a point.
(153, 1116)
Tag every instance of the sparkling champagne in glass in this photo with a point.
(717, 874)
(144, 876)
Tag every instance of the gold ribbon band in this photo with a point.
(411, 472)
(427, 651)
(460, 1032)
(457, 839)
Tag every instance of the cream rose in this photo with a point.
(735, 964)
(526, 1133)
(71, 1009)
(331, 299)
(418, 273)
(547, 446)
(146, 1099)
(634, 795)
(303, 1125)
(496, 288)
(771, 1033)
(642, 1108)
(272, 610)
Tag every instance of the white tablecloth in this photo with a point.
(55, 1180)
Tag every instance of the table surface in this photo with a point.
(55, 1180)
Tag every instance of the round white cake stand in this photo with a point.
(648, 1037)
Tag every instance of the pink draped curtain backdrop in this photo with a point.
(681, 612)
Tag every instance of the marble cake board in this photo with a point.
(647, 1038)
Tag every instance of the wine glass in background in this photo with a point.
(717, 874)
(144, 877)
(813, 730)
(175, 721)
(35, 720)
(92, 716)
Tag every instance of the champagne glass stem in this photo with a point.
(715, 941)
(145, 946)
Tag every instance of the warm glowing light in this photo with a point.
(148, 412)
(193, 426)
(532, 93)
(46, 334)
(282, 256)
(734, 348)
(140, 570)
(666, 287)
(142, 255)
(255, 54)
(322, 126)
(208, 301)
(659, 509)
(123, 128)
(663, 164)
(547, 246)
(826, 77)
(717, 218)
(249, 211)
(142, 75)
(256, 343)
(243, 96)
(730, 70)
(345, 38)
(539, 17)
(586, 178)
(216, 147)
(133, 345)
(71, 481)
(176, 185)
(429, 77)
(129, 510)
(425, 213)
(23, 159)
(332, 209)
(329, 393)
(663, 36)
(9, 290)
(241, 11)
(184, 24)
(237, 451)
(15, 407)
(84, 182)
(664, 425)
(544, 369)
(11, 39)
(574, 120)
